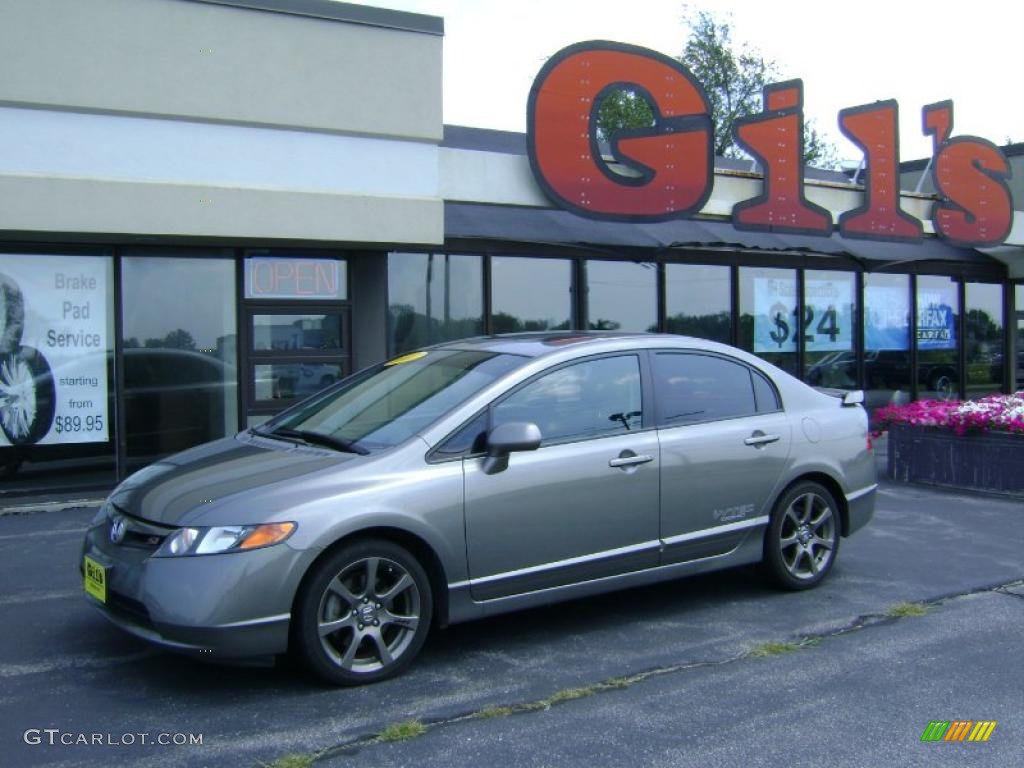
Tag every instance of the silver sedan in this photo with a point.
(474, 478)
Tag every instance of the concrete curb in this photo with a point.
(32, 508)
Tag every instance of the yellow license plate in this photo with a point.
(96, 579)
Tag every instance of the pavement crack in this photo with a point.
(795, 644)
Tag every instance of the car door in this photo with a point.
(582, 506)
(724, 443)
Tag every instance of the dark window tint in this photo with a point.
(470, 439)
(764, 393)
(694, 388)
(595, 397)
(180, 386)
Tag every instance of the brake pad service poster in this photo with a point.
(54, 341)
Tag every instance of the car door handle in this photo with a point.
(756, 440)
(629, 461)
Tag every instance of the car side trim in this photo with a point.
(603, 555)
(862, 492)
(739, 525)
(611, 553)
(254, 622)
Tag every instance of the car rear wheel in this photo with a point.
(363, 613)
(803, 538)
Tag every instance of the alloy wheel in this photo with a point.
(807, 536)
(368, 615)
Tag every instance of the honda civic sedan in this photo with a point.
(474, 478)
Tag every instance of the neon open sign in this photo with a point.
(671, 164)
(269, 277)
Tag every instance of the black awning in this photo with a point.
(519, 224)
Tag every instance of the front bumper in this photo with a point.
(229, 606)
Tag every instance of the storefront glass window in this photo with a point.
(886, 339)
(829, 331)
(938, 310)
(180, 365)
(697, 301)
(56, 371)
(433, 297)
(1018, 347)
(768, 315)
(530, 294)
(294, 333)
(984, 339)
(621, 296)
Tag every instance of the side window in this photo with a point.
(692, 388)
(764, 393)
(472, 438)
(595, 397)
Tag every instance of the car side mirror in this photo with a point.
(506, 438)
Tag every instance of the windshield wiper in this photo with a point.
(319, 439)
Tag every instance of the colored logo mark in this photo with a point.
(958, 730)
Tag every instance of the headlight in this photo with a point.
(228, 538)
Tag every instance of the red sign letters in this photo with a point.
(667, 171)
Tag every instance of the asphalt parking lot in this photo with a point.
(718, 670)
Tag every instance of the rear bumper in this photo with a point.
(860, 507)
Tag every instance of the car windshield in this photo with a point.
(386, 405)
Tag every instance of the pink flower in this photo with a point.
(1000, 412)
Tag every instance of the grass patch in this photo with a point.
(409, 729)
(902, 610)
(570, 694)
(617, 682)
(489, 712)
(777, 649)
(292, 761)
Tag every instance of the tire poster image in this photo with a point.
(53, 349)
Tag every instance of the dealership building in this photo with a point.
(210, 209)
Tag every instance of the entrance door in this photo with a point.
(294, 351)
(294, 339)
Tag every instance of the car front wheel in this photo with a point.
(363, 613)
(803, 538)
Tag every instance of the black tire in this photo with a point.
(12, 315)
(28, 398)
(387, 621)
(802, 541)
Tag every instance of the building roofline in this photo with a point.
(1010, 150)
(514, 143)
(333, 10)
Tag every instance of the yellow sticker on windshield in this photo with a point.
(406, 358)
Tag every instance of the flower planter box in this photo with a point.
(992, 461)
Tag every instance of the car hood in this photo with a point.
(180, 489)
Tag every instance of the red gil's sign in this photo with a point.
(672, 164)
